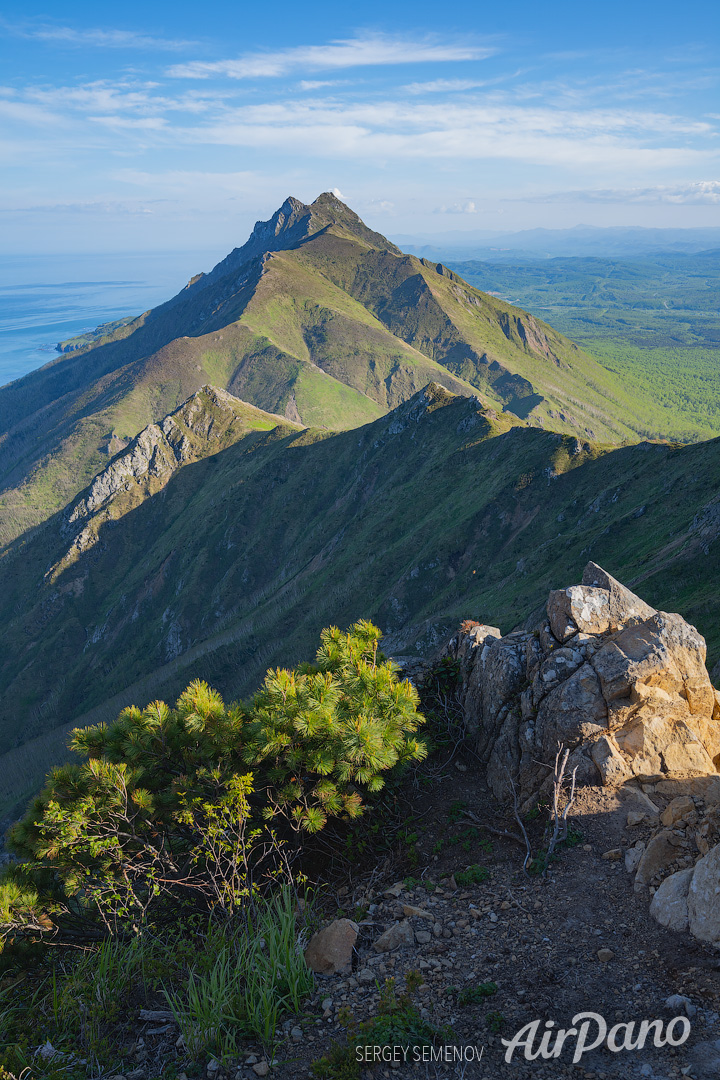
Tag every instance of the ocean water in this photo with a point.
(45, 299)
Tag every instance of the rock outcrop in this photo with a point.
(209, 421)
(622, 686)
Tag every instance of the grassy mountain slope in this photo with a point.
(439, 511)
(654, 322)
(317, 318)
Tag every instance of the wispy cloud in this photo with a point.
(467, 206)
(319, 84)
(701, 192)
(86, 206)
(442, 86)
(361, 51)
(96, 37)
(122, 97)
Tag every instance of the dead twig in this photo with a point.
(470, 819)
(516, 810)
(559, 820)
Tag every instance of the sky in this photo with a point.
(162, 126)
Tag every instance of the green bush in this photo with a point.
(196, 801)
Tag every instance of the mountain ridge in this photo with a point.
(443, 509)
(316, 317)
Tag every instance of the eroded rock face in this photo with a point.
(622, 686)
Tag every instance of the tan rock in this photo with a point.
(416, 913)
(395, 889)
(330, 951)
(655, 668)
(636, 817)
(613, 855)
(579, 607)
(706, 787)
(676, 809)
(669, 905)
(624, 607)
(605, 955)
(611, 764)
(399, 936)
(704, 898)
(658, 855)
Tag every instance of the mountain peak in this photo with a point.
(293, 223)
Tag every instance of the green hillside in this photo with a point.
(317, 318)
(652, 321)
(231, 559)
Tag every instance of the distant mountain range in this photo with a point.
(407, 448)
(582, 240)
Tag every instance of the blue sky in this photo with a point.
(176, 125)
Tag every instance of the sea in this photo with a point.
(45, 299)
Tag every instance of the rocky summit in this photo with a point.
(622, 686)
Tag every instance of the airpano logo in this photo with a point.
(589, 1031)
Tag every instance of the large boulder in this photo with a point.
(622, 686)
(704, 898)
(669, 905)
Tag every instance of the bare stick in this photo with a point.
(516, 810)
(560, 825)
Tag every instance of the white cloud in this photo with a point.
(88, 206)
(361, 51)
(319, 84)
(701, 192)
(442, 86)
(24, 113)
(379, 131)
(99, 38)
(109, 97)
(338, 194)
(466, 207)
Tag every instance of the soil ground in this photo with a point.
(536, 938)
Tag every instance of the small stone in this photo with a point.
(677, 809)
(636, 817)
(262, 1068)
(423, 937)
(605, 955)
(395, 890)
(613, 855)
(399, 935)
(296, 1034)
(366, 976)
(330, 951)
(678, 1003)
(416, 913)
(326, 1004)
(633, 856)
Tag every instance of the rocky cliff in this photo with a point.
(623, 686)
(625, 689)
